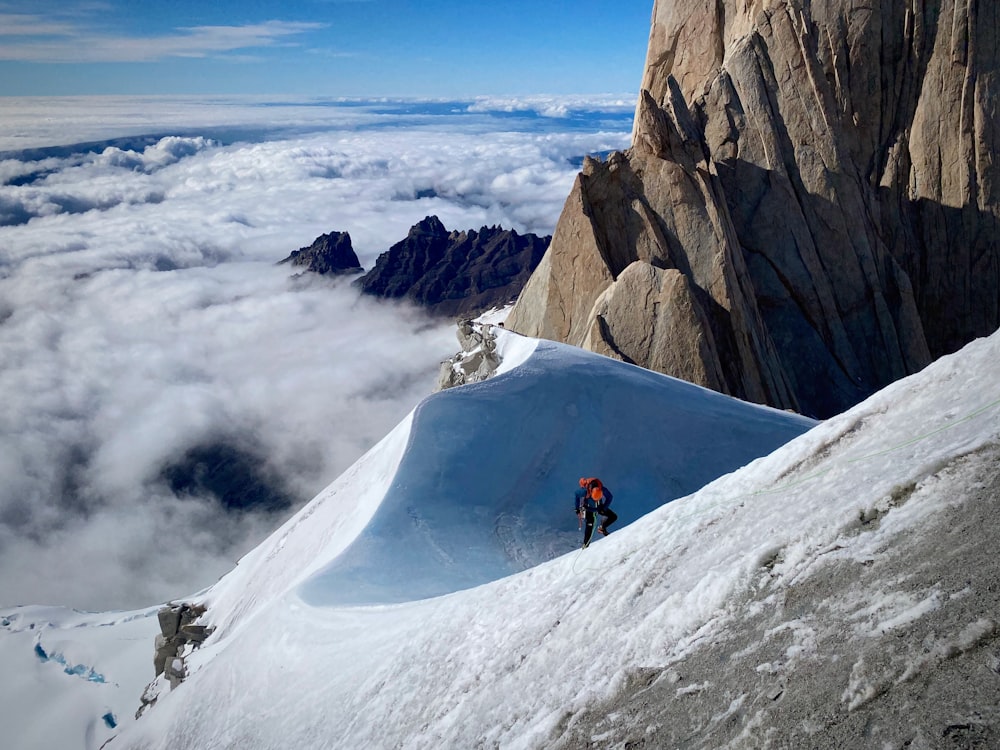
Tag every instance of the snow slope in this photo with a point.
(475, 485)
(511, 663)
(520, 661)
(485, 488)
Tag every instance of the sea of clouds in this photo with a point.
(143, 318)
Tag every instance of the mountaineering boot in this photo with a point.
(603, 531)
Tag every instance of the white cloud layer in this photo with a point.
(553, 106)
(142, 317)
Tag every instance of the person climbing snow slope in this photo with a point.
(593, 497)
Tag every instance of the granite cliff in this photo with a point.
(809, 209)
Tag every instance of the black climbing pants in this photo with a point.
(588, 519)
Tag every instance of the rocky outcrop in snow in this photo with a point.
(810, 207)
(477, 360)
(179, 633)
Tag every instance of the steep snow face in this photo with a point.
(485, 488)
(475, 485)
(585, 649)
(516, 663)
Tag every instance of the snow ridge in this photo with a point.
(520, 662)
(793, 601)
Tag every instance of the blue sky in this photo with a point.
(364, 48)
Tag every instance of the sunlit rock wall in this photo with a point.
(811, 196)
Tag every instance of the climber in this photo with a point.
(593, 497)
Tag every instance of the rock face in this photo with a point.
(456, 273)
(476, 361)
(329, 254)
(179, 635)
(810, 207)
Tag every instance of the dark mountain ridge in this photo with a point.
(331, 253)
(450, 273)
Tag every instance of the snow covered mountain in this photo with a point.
(840, 591)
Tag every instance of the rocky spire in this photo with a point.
(330, 253)
(811, 198)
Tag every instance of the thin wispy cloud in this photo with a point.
(333, 53)
(33, 38)
(553, 106)
(21, 24)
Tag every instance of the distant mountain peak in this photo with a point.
(431, 225)
(457, 273)
(331, 253)
(449, 272)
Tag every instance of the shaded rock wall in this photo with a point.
(455, 273)
(822, 177)
(448, 272)
(331, 253)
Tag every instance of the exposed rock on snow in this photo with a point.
(179, 633)
(477, 360)
(823, 178)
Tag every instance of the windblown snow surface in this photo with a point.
(784, 603)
